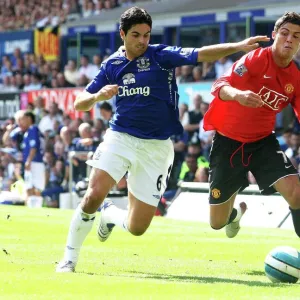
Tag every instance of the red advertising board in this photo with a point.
(63, 97)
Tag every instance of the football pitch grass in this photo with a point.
(173, 260)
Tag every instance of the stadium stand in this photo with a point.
(29, 75)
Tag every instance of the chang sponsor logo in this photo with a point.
(125, 91)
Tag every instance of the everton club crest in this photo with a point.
(143, 64)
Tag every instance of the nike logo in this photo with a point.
(265, 76)
(288, 166)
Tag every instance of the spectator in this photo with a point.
(85, 143)
(62, 82)
(194, 150)
(35, 83)
(39, 108)
(188, 173)
(208, 71)
(54, 183)
(106, 112)
(191, 124)
(186, 74)
(183, 113)
(48, 121)
(292, 151)
(86, 69)
(197, 74)
(71, 73)
(222, 65)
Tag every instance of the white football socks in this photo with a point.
(117, 216)
(80, 226)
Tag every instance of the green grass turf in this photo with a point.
(173, 260)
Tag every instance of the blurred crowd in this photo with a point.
(28, 14)
(30, 72)
(61, 135)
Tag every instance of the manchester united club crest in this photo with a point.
(289, 88)
(216, 193)
(143, 64)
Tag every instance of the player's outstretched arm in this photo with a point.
(245, 98)
(214, 52)
(85, 100)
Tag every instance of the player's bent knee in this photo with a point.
(137, 231)
(217, 225)
(217, 228)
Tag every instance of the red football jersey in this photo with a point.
(257, 72)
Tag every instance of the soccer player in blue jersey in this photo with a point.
(32, 152)
(142, 77)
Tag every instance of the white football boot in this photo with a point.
(233, 228)
(66, 266)
(104, 229)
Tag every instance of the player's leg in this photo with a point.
(29, 177)
(147, 179)
(289, 188)
(38, 177)
(227, 176)
(275, 172)
(220, 213)
(99, 185)
(136, 219)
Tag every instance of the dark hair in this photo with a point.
(288, 17)
(106, 106)
(133, 16)
(30, 115)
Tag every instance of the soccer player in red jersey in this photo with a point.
(243, 112)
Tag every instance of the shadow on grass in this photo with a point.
(255, 273)
(190, 278)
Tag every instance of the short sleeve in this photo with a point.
(240, 72)
(99, 81)
(173, 56)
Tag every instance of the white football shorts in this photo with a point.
(36, 177)
(148, 163)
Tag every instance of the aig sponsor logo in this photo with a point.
(272, 98)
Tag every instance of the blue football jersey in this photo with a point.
(147, 100)
(32, 139)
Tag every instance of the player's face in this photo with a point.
(136, 40)
(287, 40)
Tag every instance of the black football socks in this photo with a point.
(232, 215)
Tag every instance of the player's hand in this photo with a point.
(27, 166)
(251, 43)
(250, 99)
(107, 92)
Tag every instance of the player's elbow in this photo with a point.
(79, 105)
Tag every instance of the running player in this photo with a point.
(243, 112)
(142, 78)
